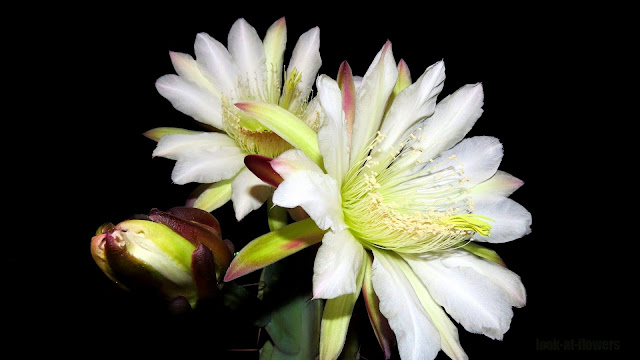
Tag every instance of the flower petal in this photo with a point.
(504, 278)
(216, 64)
(318, 194)
(188, 69)
(204, 158)
(336, 266)
(348, 89)
(275, 42)
(336, 317)
(306, 60)
(292, 161)
(248, 193)
(470, 298)
(191, 100)
(332, 135)
(416, 335)
(380, 325)
(511, 220)
(156, 133)
(247, 51)
(414, 103)
(452, 120)
(274, 246)
(478, 157)
(288, 126)
(501, 184)
(371, 100)
(213, 196)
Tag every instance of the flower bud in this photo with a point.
(174, 254)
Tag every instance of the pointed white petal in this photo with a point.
(203, 158)
(501, 184)
(291, 161)
(417, 337)
(332, 135)
(478, 156)
(318, 194)
(414, 103)
(188, 69)
(452, 120)
(275, 42)
(469, 297)
(247, 51)
(511, 220)
(337, 265)
(190, 99)
(248, 193)
(371, 100)
(504, 278)
(216, 64)
(306, 60)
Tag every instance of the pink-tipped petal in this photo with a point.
(380, 324)
(348, 88)
(260, 166)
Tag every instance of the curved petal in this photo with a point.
(203, 158)
(190, 99)
(336, 266)
(416, 335)
(216, 64)
(306, 60)
(511, 220)
(318, 194)
(292, 161)
(371, 100)
(414, 103)
(332, 135)
(188, 69)
(469, 297)
(500, 184)
(213, 196)
(477, 157)
(454, 116)
(275, 42)
(248, 53)
(248, 193)
(502, 277)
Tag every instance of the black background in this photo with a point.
(96, 73)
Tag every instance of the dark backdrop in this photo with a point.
(529, 61)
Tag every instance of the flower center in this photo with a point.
(251, 136)
(411, 210)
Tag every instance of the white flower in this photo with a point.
(400, 199)
(206, 88)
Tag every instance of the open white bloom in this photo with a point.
(206, 88)
(399, 198)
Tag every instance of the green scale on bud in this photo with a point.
(177, 254)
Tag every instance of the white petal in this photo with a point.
(371, 100)
(414, 103)
(190, 99)
(416, 336)
(452, 120)
(501, 184)
(291, 161)
(332, 135)
(248, 193)
(469, 297)
(216, 64)
(478, 156)
(306, 60)
(511, 220)
(188, 69)
(318, 194)
(203, 158)
(275, 42)
(504, 278)
(247, 51)
(336, 265)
